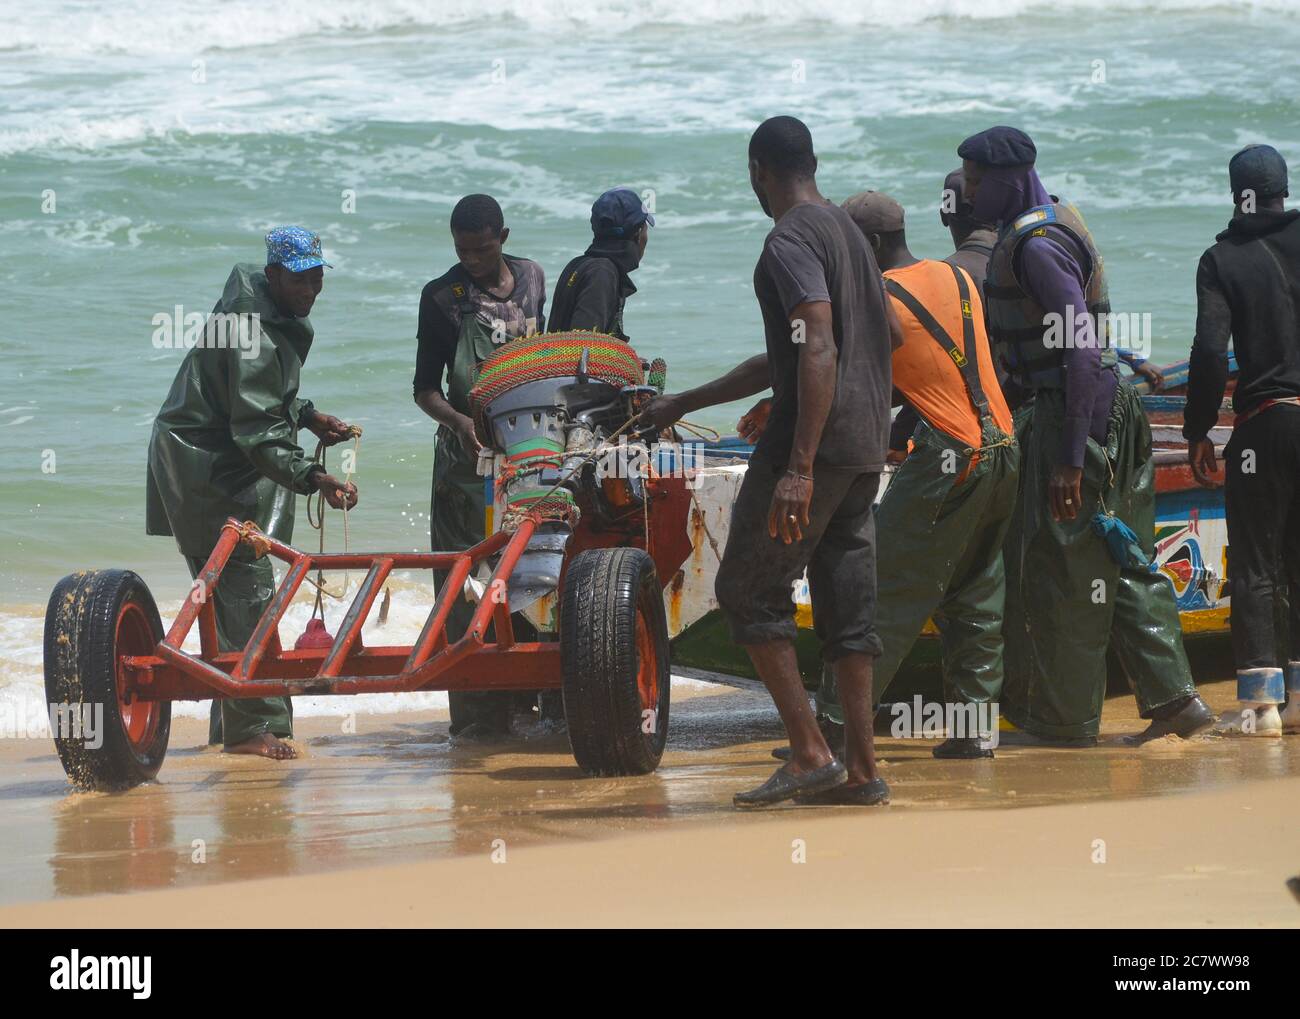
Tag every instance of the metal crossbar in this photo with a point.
(263, 668)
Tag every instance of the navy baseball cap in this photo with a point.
(619, 212)
(1258, 168)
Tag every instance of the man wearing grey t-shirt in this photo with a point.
(805, 504)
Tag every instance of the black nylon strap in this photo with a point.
(970, 371)
(968, 366)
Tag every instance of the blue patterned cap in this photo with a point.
(295, 248)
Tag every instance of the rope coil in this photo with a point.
(317, 521)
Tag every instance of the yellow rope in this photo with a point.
(700, 431)
(250, 534)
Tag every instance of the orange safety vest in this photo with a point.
(944, 368)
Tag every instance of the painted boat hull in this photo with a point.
(1191, 552)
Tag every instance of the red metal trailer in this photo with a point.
(108, 660)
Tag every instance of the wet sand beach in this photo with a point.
(396, 824)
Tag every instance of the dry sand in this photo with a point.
(394, 824)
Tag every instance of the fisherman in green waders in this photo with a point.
(945, 513)
(485, 300)
(1078, 554)
(225, 444)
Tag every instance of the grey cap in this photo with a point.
(1258, 168)
(875, 212)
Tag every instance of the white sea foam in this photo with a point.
(152, 26)
(88, 130)
(123, 82)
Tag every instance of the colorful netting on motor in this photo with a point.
(531, 454)
(552, 356)
(542, 503)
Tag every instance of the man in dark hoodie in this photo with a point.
(1248, 289)
(594, 287)
(1073, 588)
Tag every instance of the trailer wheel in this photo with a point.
(614, 661)
(93, 619)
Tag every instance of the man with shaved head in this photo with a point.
(805, 504)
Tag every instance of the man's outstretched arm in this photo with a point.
(262, 432)
(746, 379)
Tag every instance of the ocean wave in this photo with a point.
(150, 109)
(149, 26)
(98, 233)
(79, 132)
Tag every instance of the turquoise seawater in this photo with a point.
(145, 147)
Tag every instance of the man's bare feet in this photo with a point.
(263, 745)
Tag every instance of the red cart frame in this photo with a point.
(347, 667)
(105, 643)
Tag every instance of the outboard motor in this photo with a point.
(549, 405)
